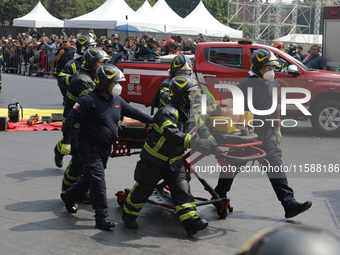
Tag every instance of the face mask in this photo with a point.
(116, 90)
(269, 76)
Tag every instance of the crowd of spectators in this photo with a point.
(36, 53)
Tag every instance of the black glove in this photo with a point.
(218, 151)
(203, 145)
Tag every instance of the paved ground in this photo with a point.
(33, 219)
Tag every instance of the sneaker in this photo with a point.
(297, 208)
(58, 158)
(105, 224)
(70, 207)
(196, 225)
(130, 223)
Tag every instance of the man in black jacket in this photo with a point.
(81, 84)
(98, 114)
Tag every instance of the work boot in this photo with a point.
(129, 223)
(196, 225)
(58, 158)
(105, 224)
(86, 199)
(70, 207)
(297, 208)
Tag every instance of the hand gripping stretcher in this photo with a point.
(131, 140)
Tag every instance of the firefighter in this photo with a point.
(226, 38)
(72, 67)
(148, 50)
(292, 239)
(173, 49)
(65, 77)
(180, 65)
(279, 45)
(262, 83)
(293, 51)
(81, 84)
(166, 46)
(98, 113)
(162, 157)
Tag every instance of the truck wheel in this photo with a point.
(326, 118)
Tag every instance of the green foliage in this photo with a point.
(10, 10)
(135, 4)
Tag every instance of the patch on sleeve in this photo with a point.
(117, 106)
(76, 106)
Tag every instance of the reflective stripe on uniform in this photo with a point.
(198, 121)
(161, 129)
(187, 140)
(210, 137)
(175, 159)
(188, 215)
(137, 206)
(185, 206)
(85, 91)
(74, 68)
(72, 97)
(130, 212)
(159, 143)
(154, 153)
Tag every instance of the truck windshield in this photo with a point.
(295, 61)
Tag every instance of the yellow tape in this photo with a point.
(29, 112)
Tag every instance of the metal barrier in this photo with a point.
(30, 60)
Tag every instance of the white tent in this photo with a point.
(105, 16)
(162, 13)
(301, 38)
(38, 17)
(111, 14)
(208, 25)
(144, 8)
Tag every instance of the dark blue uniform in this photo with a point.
(262, 100)
(1, 62)
(147, 50)
(81, 84)
(119, 48)
(98, 118)
(65, 57)
(316, 63)
(162, 158)
(66, 75)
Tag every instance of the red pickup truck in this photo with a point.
(229, 63)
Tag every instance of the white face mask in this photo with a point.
(269, 76)
(116, 90)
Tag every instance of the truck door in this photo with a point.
(330, 38)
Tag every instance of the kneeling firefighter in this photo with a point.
(162, 156)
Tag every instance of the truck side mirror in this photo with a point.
(293, 69)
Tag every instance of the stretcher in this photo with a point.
(131, 140)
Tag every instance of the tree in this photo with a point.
(135, 4)
(10, 10)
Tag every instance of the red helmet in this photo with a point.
(279, 45)
(169, 41)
